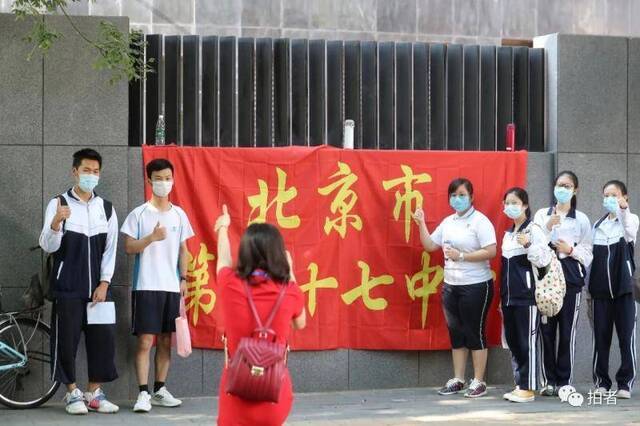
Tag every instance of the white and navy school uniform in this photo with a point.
(155, 301)
(84, 253)
(558, 357)
(611, 290)
(468, 288)
(517, 291)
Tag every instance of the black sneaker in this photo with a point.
(453, 386)
(549, 390)
(476, 389)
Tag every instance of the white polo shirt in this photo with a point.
(467, 233)
(156, 268)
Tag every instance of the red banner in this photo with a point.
(346, 218)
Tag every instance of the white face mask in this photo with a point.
(161, 188)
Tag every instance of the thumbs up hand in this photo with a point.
(554, 220)
(62, 213)
(224, 220)
(159, 233)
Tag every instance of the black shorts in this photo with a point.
(465, 309)
(154, 312)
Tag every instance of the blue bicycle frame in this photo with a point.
(8, 351)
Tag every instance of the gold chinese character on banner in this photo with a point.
(343, 202)
(260, 204)
(366, 285)
(314, 284)
(431, 277)
(410, 199)
(200, 298)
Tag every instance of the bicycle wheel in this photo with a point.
(31, 385)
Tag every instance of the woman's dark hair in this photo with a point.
(86, 154)
(522, 196)
(457, 183)
(262, 247)
(574, 178)
(157, 165)
(621, 186)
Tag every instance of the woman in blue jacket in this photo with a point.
(524, 246)
(611, 289)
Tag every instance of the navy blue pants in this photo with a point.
(620, 312)
(68, 322)
(520, 332)
(558, 341)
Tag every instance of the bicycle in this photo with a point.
(25, 358)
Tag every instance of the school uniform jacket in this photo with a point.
(613, 246)
(575, 229)
(518, 283)
(84, 249)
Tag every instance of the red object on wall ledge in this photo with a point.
(511, 137)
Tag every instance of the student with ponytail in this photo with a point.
(611, 289)
(524, 246)
(569, 231)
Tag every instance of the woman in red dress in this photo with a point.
(264, 263)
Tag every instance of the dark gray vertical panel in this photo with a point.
(521, 96)
(404, 79)
(210, 91)
(227, 91)
(335, 92)
(135, 109)
(352, 83)
(246, 84)
(369, 64)
(264, 87)
(190, 90)
(471, 98)
(316, 92)
(420, 96)
(454, 97)
(299, 92)
(386, 71)
(536, 100)
(171, 88)
(437, 104)
(505, 93)
(152, 101)
(281, 78)
(488, 98)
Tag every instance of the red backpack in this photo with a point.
(256, 371)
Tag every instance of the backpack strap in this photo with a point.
(108, 208)
(274, 310)
(63, 202)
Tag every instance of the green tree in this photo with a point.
(120, 53)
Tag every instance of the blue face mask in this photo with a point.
(88, 182)
(459, 203)
(513, 211)
(610, 203)
(563, 195)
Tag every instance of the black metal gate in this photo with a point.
(228, 91)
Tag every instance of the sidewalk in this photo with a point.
(382, 407)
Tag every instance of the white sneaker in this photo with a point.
(97, 401)
(507, 395)
(163, 398)
(623, 394)
(601, 390)
(74, 402)
(143, 404)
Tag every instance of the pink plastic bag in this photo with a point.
(182, 335)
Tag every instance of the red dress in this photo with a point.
(238, 322)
